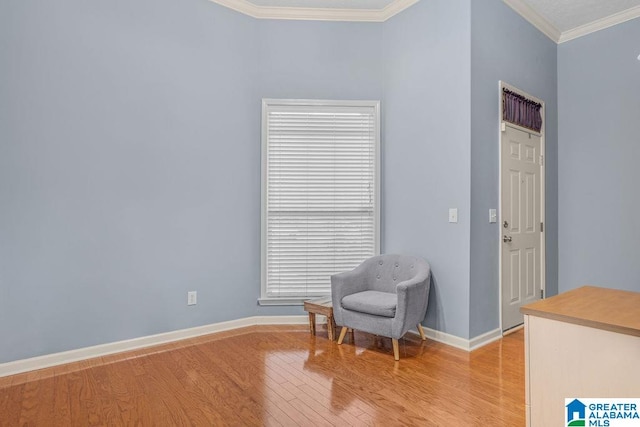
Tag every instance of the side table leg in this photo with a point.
(312, 323)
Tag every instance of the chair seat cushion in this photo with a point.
(372, 302)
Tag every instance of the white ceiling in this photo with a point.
(564, 20)
(567, 15)
(560, 20)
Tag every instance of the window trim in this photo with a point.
(267, 102)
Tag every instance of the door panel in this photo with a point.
(515, 276)
(521, 244)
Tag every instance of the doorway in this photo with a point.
(522, 243)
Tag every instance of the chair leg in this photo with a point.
(396, 351)
(421, 332)
(343, 332)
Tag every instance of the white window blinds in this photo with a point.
(320, 193)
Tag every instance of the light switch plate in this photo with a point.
(453, 214)
(493, 216)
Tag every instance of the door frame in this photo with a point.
(501, 124)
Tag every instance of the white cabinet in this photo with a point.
(583, 343)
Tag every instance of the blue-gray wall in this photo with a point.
(599, 115)
(505, 47)
(130, 160)
(130, 156)
(319, 60)
(426, 153)
(125, 170)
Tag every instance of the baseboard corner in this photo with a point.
(76, 355)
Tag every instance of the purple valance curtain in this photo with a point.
(521, 111)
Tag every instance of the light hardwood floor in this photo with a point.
(277, 376)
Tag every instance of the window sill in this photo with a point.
(284, 301)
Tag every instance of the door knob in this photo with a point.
(506, 239)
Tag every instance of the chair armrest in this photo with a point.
(413, 298)
(349, 282)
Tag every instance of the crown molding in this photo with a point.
(548, 29)
(537, 20)
(600, 24)
(397, 6)
(317, 14)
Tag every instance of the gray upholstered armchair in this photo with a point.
(385, 295)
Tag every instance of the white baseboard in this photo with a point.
(484, 339)
(48, 360)
(461, 343)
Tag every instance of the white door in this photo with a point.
(521, 226)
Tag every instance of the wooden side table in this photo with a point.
(324, 307)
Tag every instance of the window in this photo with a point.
(320, 194)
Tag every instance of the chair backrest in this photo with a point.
(386, 271)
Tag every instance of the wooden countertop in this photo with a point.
(608, 309)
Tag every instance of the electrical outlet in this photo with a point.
(192, 298)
